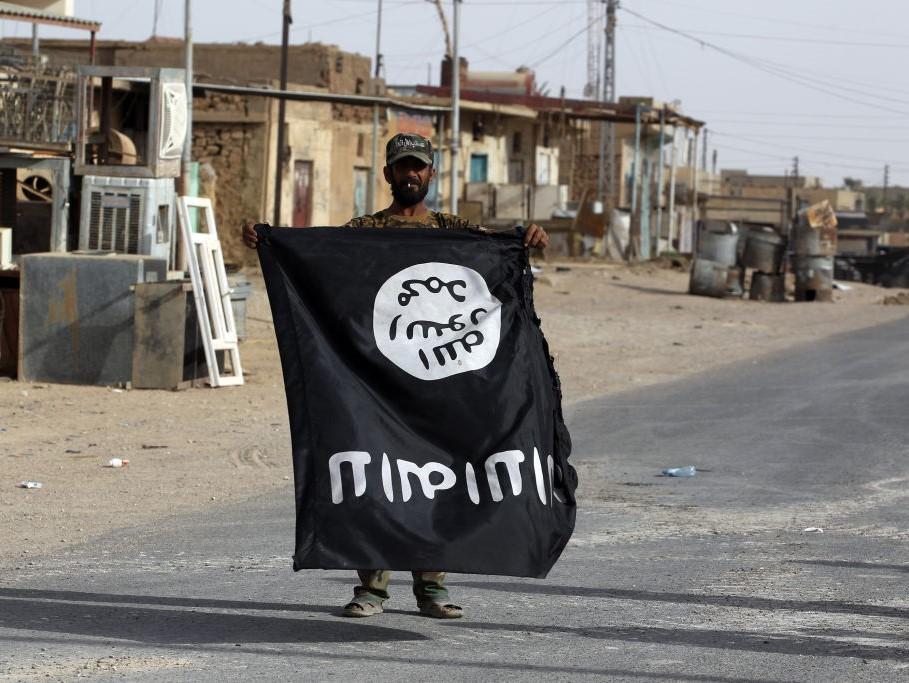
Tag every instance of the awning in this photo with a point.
(19, 13)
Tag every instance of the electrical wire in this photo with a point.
(574, 37)
(765, 66)
(776, 21)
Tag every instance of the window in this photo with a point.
(361, 144)
(478, 127)
(516, 142)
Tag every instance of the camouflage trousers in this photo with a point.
(427, 586)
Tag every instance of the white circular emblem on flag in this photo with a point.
(435, 320)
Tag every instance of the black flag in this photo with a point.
(425, 412)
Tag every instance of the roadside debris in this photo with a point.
(117, 462)
(901, 299)
(842, 287)
(149, 446)
(812, 530)
(29, 485)
(688, 471)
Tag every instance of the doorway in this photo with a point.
(302, 217)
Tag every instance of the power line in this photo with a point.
(559, 48)
(767, 67)
(776, 21)
(784, 39)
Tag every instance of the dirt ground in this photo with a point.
(611, 327)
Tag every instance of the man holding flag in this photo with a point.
(409, 171)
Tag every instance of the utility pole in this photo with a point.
(672, 167)
(659, 184)
(713, 163)
(704, 152)
(795, 171)
(886, 186)
(455, 104)
(371, 187)
(187, 155)
(286, 21)
(607, 130)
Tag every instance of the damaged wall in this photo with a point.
(229, 136)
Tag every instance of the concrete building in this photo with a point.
(314, 64)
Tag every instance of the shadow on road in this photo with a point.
(849, 564)
(482, 667)
(830, 606)
(77, 614)
(723, 640)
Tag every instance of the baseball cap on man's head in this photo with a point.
(408, 145)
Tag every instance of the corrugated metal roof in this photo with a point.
(19, 13)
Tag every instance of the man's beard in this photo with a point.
(406, 197)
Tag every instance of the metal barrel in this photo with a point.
(735, 281)
(813, 278)
(808, 241)
(708, 278)
(767, 287)
(719, 247)
(764, 251)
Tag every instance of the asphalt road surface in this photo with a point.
(712, 578)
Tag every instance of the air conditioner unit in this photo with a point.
(146, 105)
(128, 215)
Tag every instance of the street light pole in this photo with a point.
(455, 104)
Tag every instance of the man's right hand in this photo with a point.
(250, 239)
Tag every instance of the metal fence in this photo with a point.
(36, 104)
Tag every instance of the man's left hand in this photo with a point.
(536, 237)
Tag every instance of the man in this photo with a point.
(409, 171)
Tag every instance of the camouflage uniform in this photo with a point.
(432, 219)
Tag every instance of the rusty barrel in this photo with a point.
(813, 278)
(708, 278)
(767, 287)
(808, 241)
(764, 250)
(718, 246)
(735, 282)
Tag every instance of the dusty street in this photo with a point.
(610, 327)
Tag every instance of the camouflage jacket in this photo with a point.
(433, 219)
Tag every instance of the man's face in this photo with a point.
(409, 179)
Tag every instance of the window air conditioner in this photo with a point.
(128, 215)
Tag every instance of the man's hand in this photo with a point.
(536, 237)
(250, 239)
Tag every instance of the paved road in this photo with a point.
(705, 579)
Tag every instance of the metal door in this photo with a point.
(302, 194)
(479, 167)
